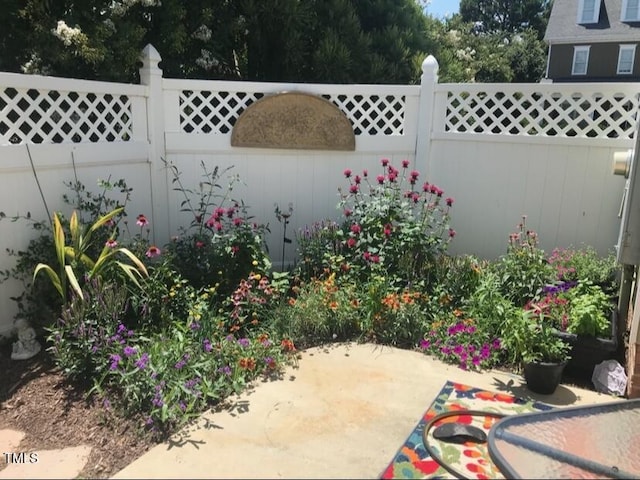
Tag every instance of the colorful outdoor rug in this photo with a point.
(472, 459)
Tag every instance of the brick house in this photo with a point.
(593, 40)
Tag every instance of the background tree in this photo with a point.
(506, 15)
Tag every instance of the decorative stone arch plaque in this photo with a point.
(293, 120)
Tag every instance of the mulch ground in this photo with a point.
(36, 399)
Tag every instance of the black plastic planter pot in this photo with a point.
(587, 352)
(543, 377)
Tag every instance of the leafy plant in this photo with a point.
(73, 258)
(392, 225)
(584, 264)
(221, 245)
(589, 311)
(524, 270)
(529, 337)
(318, 245)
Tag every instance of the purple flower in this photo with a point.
(230, 338)
(115, 361)
(266, 342)
(471, 329)
(244, 342)
(121, 329)
(106, 404)
(424, 344)
(446, 350)
(143, 361)
(496, 343)
(226, 370)
(475, 360)
(206, 345)
(128, 351)
(179, 364)
(157, 401)
(149, 421)
(190, 384)
(458, 349)
(182, 406)
(194, 326)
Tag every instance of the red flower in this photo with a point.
(449, 201)
(375, 259)
(199, 244)
(355, 228)
(388, 229)
(142, 221)
(153, 251)
(405, 163)
(347, 212)
(384, 162)
(452, 233)
(351, 242)
(347, 173)
(380, 179)
(287, 345)
(366, 256)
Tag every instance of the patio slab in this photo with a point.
(342, 414)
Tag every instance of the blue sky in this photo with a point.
(441, 8)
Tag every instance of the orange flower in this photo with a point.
(292, 301)
(391, 301)
(234, 328)
(457, 312)
(263, 337)
(247, 363)
(333, 305)
(287, 345)
(355, 303)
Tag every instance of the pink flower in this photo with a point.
(380, 179)
(153, 251)
(366, 256)
(142, 221)
(353, 189)
(348, 212)
(111, 243)
(351, 242)
(357, 179)
(355, 228)
(393, 176)
(405, 163)
(237, 221)
(426, 187)
(375, 259)
(217, 226)
(199, 244)
(347, 173)
(230, 212)
(212, 220)
(449, 201)
(415, 197)
(388, 229)
(365, 173)
(415, 174)
(452, 233)
(384, 162)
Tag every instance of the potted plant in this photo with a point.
(585, 318)
(533, 344)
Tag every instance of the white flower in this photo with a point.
(202, 33)
(65, 33)
(206, 60)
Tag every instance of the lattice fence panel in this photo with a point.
(549, 114)
(51, 116)
(216, 112)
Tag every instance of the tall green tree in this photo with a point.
(506, 15)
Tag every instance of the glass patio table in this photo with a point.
(598, 441)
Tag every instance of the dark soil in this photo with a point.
(35, 398)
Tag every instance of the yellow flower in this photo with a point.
(254, 263)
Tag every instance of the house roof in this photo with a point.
(564, 28)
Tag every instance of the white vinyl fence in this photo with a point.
(501, 150)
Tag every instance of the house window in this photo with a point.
(626, 56)
(580, 60)
(630, 11)
(589, 11)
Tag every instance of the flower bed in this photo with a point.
(165, 332)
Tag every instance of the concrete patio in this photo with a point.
(342, 414)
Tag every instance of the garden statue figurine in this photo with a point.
(26, 346)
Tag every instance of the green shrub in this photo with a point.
(524, 270)
(221, 245)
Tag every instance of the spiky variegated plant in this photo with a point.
(76, 252)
